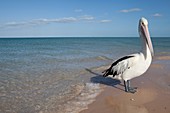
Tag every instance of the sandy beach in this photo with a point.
(152, 96)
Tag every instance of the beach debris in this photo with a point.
(132, 99)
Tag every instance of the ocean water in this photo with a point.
(47, 75)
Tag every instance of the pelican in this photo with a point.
(133, 65)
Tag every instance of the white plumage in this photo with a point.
(134, 65)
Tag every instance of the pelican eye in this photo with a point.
(142, 23)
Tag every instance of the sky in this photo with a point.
(82, 18)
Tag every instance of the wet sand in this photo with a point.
(152, 96)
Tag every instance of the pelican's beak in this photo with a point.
(146, 34)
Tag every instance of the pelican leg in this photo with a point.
(126, 86)
(131, 89)
(128, 82)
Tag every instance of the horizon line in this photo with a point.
(78, 36)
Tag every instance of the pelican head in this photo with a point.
(144, 33)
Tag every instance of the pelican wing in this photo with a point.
(119, 66)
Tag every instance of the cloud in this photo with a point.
(39, 22)
(14, 24)
(86, 17)
(57, 20)
(64, 20)
(130, 10)
(43, 21)
(105, 21)
(157, 15)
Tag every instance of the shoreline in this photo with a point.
(153, 93)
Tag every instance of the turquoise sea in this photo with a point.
(46, 75)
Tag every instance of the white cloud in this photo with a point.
(105, 21)
(130, 10)
(64, 20)
(42, 21)
(57, 20)
(157, 15)
(86, 17)
(13, 24)
(39, 22)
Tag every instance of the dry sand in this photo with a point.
(153, 95)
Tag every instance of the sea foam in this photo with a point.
(81, 101)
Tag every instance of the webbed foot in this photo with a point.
(132, 90)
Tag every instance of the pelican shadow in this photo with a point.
(98, 78)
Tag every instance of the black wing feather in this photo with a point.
(109, 71)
